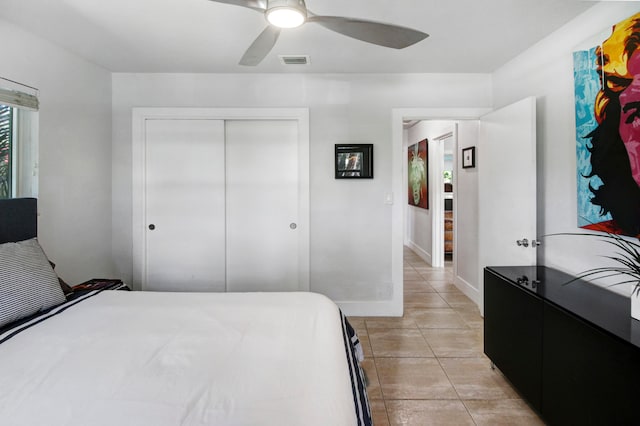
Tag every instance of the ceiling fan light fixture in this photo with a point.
(293, 13)
(286, 13)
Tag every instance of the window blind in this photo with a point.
(18, 99)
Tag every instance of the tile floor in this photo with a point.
(428, 368)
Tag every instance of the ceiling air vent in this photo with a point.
(294, 59)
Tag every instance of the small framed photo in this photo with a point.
(354, 161)
(468, 157)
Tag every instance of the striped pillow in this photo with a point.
(27, 281)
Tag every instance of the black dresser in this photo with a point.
(572, 350)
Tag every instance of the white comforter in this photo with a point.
(141, 358)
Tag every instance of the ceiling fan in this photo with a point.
(293, 13)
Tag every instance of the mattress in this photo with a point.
(145, 358)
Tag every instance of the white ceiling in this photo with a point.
(203, 36)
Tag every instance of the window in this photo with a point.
(7, 152)
(18, 140)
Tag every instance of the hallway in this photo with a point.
(428, 367)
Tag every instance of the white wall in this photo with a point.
(74, 151)
(546, 71)
(466, 214)
(350, 224)
(85, 183)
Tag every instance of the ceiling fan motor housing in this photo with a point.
(277, 8)
(296, 4)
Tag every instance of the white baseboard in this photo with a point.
(394, 308)
(420, 252)
(470, 291)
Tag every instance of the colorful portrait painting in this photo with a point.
(418, 168)
(607, 108)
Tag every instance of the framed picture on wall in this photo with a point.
(468, 157)
(418, 172)
(354, 161)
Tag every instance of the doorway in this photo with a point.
(505, 191)
(444, 220)
(466, 116)
(425, 223)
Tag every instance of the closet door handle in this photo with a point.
(293, 225)
(152, 227)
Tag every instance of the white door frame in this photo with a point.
(397, 213)
(140, 115)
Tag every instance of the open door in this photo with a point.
(506, 161)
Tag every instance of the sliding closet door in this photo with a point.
(262, 205)
(184, 193)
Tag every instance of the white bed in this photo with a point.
(141, 358)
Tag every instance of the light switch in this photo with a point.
(388, 197)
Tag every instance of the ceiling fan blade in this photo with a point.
(259, 5)
(261, 46)
(386, 35)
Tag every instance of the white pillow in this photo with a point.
(28, 283)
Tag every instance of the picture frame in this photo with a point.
(418, 174)
(354, 161)
(468, 157)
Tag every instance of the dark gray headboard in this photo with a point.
(18, 219)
